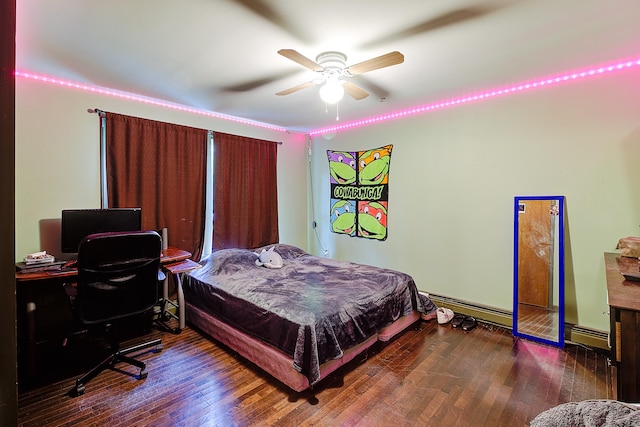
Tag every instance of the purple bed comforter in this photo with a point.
(311, 309)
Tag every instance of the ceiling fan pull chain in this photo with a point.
(326, 110)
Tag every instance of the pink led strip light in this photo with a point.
(572, 76)
(139, 98)
(481, 96)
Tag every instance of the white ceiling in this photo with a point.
(221, 55)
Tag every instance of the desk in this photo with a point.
(176, 268)
(624, 303)
(173, 261)
(169, 255)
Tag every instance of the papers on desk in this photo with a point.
(39, 261)
(52, 266)
(38, 258)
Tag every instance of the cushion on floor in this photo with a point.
(593, 413)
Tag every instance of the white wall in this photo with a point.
(58, 160)
(454, 174)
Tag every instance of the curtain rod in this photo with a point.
(103, 114)
(96, 111)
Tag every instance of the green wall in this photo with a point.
(454, 174)
(58, 160)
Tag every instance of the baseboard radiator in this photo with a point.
(573, 333)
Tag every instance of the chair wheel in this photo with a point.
(143, 374)
(79, 389)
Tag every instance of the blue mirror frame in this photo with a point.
(553, 333)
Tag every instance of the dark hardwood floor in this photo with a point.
(431, 375)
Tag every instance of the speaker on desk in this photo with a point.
(165, 238)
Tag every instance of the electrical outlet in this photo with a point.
(326, 252)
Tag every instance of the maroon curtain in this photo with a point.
(160, 167)
(245, 192)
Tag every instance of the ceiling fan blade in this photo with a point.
(254, 84)
(450, 18)
(392, 58)
(300, 59)
(265, 10)
(356, 92)
(294, 89)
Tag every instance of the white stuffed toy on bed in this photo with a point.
(269, 259)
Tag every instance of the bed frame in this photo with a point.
(276, 363)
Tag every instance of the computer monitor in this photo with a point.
(79, 223)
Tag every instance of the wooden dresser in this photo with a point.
(624, 302)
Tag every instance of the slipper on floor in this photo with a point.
(469, 323)
(444, 315)
(457, 320)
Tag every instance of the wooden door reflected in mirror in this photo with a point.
(538, 303)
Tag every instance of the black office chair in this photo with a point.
(118, 277)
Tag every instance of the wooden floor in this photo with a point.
(430, 375)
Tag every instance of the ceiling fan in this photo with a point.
(333, 73)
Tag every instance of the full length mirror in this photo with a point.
(538, 294)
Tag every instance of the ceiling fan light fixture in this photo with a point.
(331, 92)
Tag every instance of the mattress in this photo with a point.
(312, 309)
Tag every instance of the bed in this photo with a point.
(304, 320)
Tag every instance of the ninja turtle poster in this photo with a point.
(360, 192)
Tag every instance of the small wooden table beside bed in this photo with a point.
(304, 320)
